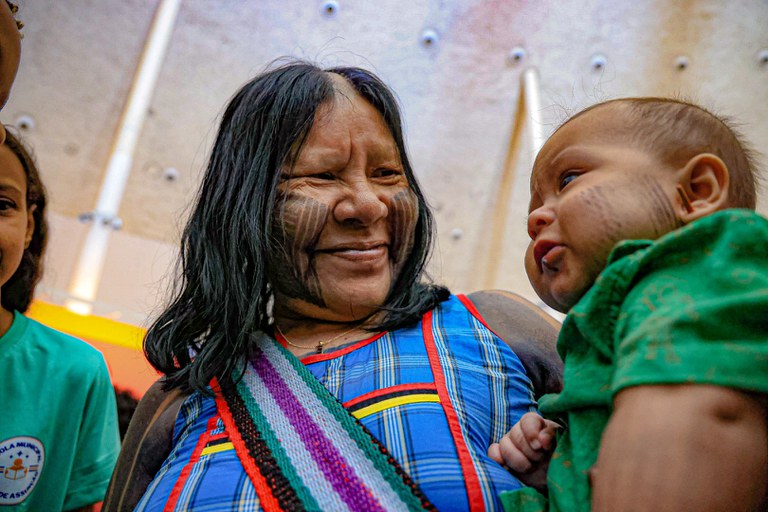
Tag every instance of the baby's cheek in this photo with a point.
(598, 218)
(530, 264)
(403, 216)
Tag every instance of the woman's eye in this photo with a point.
(386, 173)
(567, 178)
(6, 204)
(324, 176)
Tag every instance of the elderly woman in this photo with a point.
(308, 364)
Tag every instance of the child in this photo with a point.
(58, 427)
(666, 356)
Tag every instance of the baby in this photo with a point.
(635, 233)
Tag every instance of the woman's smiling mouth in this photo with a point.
(358, 252)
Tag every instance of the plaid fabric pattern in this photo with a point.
(485, 383)
(301, 448)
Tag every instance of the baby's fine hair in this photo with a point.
(18, 291)
(15, 9)
(677, 131)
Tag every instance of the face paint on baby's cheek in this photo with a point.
(603, 214)
(403, 216)
(297, 225)
(663, 214)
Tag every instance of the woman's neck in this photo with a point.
(308, 336)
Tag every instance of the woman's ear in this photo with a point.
(702, 187)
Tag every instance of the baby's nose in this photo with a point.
(539, 218)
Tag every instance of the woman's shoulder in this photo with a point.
(528, 330)
(513, 317)
(147, 443)
(156, 413)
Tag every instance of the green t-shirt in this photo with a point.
(58, 420)
(691, 307)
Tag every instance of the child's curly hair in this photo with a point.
(18, 291)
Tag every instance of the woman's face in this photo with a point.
(345, 215)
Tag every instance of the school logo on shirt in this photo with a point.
(21, 462)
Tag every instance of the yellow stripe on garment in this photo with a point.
(216, 448)
(393, 402)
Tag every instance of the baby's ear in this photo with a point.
(702, 187)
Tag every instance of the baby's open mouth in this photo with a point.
(547, 255)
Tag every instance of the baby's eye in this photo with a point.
(567, 178)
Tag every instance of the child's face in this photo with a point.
(591, 188)
(16, 221)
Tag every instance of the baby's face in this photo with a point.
(10, 51)
(591, 188)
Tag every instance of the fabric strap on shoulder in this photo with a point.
(300, 447)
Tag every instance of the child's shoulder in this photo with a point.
(53, 340)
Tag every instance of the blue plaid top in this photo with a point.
(436, 394)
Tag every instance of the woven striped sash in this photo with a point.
(299, 446)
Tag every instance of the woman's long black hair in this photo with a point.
(223, 294)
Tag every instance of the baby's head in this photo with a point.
(626, 169)
(10, 48)
(23, 228)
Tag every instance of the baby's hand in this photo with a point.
(526, 449)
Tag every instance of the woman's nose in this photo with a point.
(538, 219)
(361, 205)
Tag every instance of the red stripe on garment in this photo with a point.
(473, 310)
(341, 352)
(173, 499)
(388, 391)
(474, 492)
(267, 500)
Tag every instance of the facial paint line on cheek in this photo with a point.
(603, 214)
(597, 244)
(664, 218)
(315, 216)
(300, 222)
(403, 216)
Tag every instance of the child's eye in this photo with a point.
(6, 204)
(567, 178)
